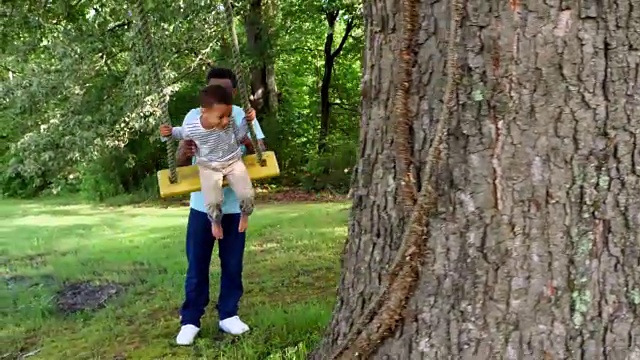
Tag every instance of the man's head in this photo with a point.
(223, 77)
(215, 106)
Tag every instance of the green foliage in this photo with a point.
(117, 172)
(97, 182)
(331, 170)
(78, 112)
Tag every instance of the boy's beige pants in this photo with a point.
(211, 176)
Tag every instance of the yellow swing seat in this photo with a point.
(189, 179)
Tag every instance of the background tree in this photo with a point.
(259, 26)
(333, 11)
(517, 236)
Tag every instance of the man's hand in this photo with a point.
(249, 145)
(165, 130)
(250, 115)
(186, 150)
(189, 148)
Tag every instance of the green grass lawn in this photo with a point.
(291, 271)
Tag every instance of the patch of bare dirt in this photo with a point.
(86, 296)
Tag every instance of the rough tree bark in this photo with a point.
(533, 250)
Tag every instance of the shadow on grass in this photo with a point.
(291, 268)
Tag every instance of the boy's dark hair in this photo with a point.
(222, 73)
(214, 95)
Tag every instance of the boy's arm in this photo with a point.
(241, 131)
(178, 133)
(186, 148)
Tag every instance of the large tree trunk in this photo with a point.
(533, 250)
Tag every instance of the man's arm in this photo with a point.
(249, 145)
(259, 135)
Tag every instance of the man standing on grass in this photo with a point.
(200, 240)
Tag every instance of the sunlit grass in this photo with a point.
(291, 269)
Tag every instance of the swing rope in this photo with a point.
(237, 65)
(151, 58)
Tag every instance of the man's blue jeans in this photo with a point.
(199, 249)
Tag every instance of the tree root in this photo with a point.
(403, 122)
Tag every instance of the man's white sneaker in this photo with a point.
(233, 326)
(187, 334)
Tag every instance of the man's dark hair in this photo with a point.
(222, 73)
(214, 95)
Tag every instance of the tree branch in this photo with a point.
(9, 69)
(302, 48)
(332, 16)
(328, 43)
(344, 107)
(119, 25)
(347, 31)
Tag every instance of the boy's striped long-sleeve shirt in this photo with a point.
(213, 145)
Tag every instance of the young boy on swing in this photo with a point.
(219, 155)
